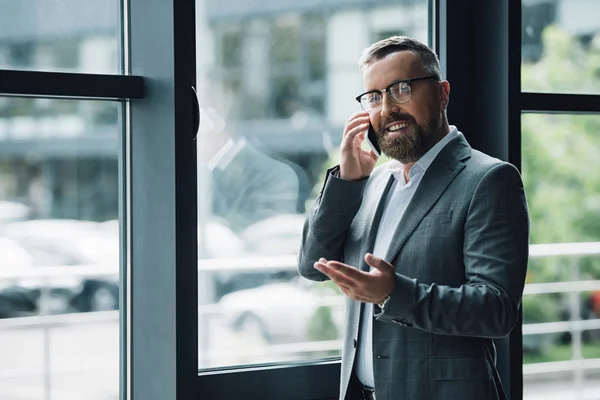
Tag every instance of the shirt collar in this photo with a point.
(397, 168)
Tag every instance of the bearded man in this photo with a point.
(430, 248)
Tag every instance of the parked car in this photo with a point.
(15, 300)
(72, 243)
(11, 211)
(272, 237)
(275, 236)
(21, 284)
(297, 310)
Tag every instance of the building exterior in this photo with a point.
(283, 72)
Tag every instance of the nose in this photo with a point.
(388, 106)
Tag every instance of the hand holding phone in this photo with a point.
(357, 162)
(372, 140)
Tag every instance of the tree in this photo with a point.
(560, 159)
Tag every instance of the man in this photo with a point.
(431, 248)
(247, 184)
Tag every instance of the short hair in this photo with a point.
(427, 58)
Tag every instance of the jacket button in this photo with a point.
(354, 343)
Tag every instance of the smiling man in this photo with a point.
(430, 248)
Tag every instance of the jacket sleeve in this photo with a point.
(496, 250)
(328, 223)
(252, 187)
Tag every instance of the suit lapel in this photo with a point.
(438, 176)
(373, 217)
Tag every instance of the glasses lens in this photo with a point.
(370, 101)
(400, 92)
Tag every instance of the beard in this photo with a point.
(411, 145)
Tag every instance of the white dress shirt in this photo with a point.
(397, 201)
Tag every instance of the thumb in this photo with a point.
(378, 263)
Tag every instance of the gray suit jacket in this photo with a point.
(460, 254)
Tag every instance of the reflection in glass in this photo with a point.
(561, 308)
(59, 249)
(275, 94)
(561, 46)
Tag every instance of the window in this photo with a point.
(564, 273)
(59, 228)
(274, 67)
(283, 79)
(60, 35)
(279, 77)
(559, 128)
(62, 189)
(560, 46)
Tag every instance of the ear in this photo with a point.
(444, 94)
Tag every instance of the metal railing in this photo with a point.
(573, 288)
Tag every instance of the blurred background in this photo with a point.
(276, 82)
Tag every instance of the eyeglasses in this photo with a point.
(399, 92)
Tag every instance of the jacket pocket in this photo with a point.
(461, 378)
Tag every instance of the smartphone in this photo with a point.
(372, 140)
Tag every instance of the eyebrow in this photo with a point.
(388, 85)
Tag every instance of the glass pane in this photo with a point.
(563, 282)
(59, 249)
(60, 35)
(561, 46)
(275, 91)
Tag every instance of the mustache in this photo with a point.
(396, 117)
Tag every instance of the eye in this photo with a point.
(373, 97)
(400, 88)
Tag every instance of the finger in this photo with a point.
(378, 263)
(357, 120)
(357, 116)
(353, 122)
(339, 278)
(351, 272)
(320, 266)
(351, 135)
(360, 138)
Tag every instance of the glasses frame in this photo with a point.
(387, 90)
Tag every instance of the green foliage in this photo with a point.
(321, 326)
(540, 308)
(560, 154)
(566, 66)
(563, 352)
(560, 159)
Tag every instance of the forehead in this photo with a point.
(399, 65)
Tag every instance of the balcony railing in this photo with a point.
(573, 288)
